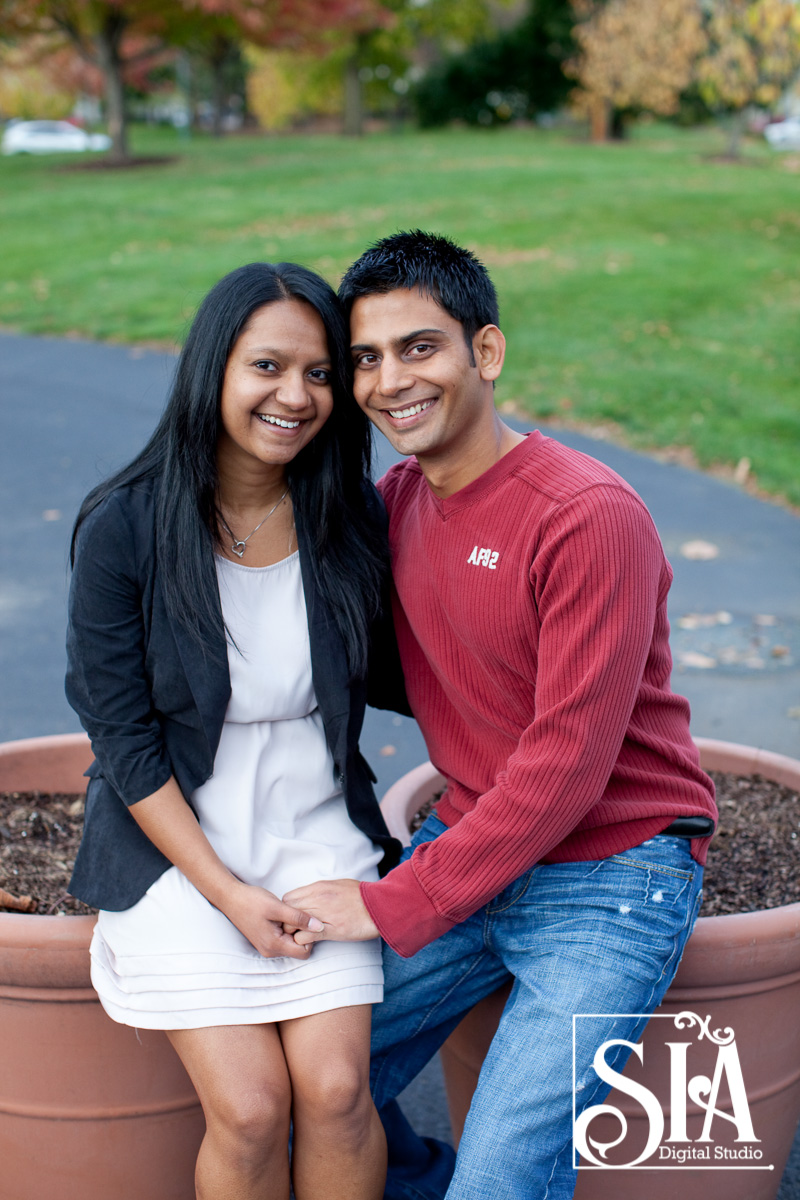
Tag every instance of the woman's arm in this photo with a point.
(107, 686)
(172, 827)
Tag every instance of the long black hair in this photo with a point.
(327, 478)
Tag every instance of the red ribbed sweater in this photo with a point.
(531, 614)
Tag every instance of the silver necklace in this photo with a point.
(239, 545)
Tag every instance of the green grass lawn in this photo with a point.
(644, 288)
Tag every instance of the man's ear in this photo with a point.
(489, 349)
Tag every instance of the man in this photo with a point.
(567, 850)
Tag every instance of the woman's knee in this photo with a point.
(251, 1121)
(336, 1094)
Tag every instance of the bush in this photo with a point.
(516, 74)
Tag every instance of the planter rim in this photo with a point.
(749, 760)
(49, 741)
(75, 928)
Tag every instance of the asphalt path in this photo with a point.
(73, 411)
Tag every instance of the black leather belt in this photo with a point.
(689, 827)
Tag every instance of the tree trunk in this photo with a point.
(184, 78)
(107, 41)
(217, 60)
(735, 131)
(600, 118)
(353, 123)
(353, 108)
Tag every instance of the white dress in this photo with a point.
(276, 816)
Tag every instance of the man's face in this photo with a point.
(414, 377)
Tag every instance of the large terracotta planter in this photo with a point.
(742, 971)
(89, 1110)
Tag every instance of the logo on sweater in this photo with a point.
(482, 557)
(713, 1132)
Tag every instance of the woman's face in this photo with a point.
(276, 394)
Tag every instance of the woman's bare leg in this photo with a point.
(339, 1148)
(240, 1074)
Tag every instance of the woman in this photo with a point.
(224, 588)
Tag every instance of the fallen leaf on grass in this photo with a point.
(699, 550)
(692, 658)
(704, 620)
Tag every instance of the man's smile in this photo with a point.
(405, 414)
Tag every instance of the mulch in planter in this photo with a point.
(39, 838)
(754, 860)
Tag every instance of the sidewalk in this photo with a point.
(73, 411)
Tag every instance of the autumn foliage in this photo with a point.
(753, 52)
(634, 54)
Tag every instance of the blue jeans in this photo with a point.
(599, 937)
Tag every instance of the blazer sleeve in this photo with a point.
(106, 680)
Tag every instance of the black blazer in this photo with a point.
(153, 699)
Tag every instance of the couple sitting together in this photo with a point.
(240, 591)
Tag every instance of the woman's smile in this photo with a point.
(277, 392)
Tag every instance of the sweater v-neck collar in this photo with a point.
(489, 480)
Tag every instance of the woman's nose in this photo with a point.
(293, 391)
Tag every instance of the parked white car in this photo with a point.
(50, 137)
(784, 135)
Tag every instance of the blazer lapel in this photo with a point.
(205, 663)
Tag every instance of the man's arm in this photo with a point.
(597, 580)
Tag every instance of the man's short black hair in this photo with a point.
(449, 274)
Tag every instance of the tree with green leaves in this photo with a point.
(515, 73)
(753, 54)
(214, 30)
(408, 34)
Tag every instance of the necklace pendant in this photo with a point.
(238, 548)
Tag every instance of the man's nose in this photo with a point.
(393, 377)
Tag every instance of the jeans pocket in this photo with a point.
(670, 855)
(430, 829)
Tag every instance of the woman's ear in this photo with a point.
(489, 349)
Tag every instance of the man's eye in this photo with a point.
(365, 360)
(420, 348)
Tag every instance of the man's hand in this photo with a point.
(336, 902)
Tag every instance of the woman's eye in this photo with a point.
(320, 375)
(266, 364)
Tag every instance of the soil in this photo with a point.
(753, 862)
(754, 858)
(39, 838)
(120, 164)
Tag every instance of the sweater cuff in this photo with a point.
(406, 918)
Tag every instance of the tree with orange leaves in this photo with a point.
(753, 54)
(634, 54)
(115, 35)
(111, 35)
